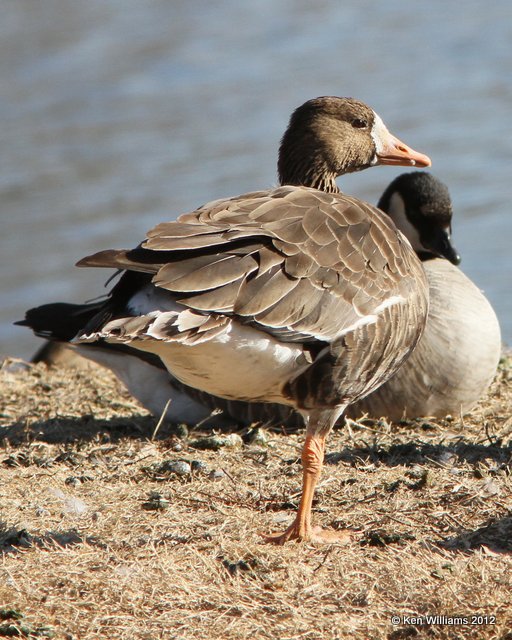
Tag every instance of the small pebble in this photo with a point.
(216, 474)
(214, 443)
(73, 481)
(179, 467)
(198, 466)
(233, 440)
(258, 437)
(75, 506)
(156, 502)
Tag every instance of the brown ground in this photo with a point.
(101, 539)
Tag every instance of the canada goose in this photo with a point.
(458, 353)
(297, 295)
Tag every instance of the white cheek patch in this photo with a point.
(398, 214)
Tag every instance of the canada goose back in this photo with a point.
(457, 356)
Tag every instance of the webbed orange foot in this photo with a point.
(291, 533)
(313, 534)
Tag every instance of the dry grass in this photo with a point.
(89, 552)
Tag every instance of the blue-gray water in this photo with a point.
(117, 114)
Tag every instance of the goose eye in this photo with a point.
(359, 123)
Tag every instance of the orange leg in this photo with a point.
(301, 528)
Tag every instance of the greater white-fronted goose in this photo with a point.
(296, 295)
(458, 353)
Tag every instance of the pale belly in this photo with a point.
(240, 364)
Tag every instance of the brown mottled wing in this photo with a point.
(296, 262)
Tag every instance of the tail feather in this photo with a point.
(60, 320)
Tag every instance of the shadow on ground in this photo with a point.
(495, 535)
(86, 428)
(66, 430)
(14, 539)
(414, 453)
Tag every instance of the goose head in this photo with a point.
(329, 136)
(421, 207)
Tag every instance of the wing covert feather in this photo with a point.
(292, 259)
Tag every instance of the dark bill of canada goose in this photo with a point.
(299, 296)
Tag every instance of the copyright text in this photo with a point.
(454, 621)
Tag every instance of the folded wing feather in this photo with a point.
(289, 261)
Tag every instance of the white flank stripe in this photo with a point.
(389, 302)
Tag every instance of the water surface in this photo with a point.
(117, 114)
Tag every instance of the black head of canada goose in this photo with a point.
(296, 295)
